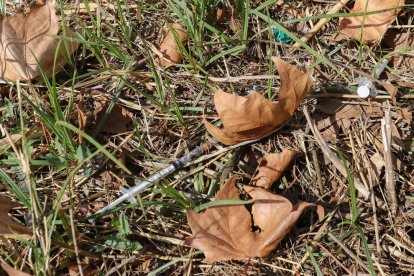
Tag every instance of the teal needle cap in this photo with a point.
(281, 36)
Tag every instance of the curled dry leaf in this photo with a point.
(255, 116)
(377, 163)
(271, 168)
(225, 14)
(225, 232)
(392, 90)
(169, 46)
(397, 41)
(234, 23)
(217, 15)
(371, 27)
(27, 40)
(221, 15)
(9, 228)
(92, 108)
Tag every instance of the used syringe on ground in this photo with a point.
(141, 186)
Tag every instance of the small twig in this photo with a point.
(320, 23)
(389, 170)
(399, 244)
(328, 252)
(406, 238)
(321, 232)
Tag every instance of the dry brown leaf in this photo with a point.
(392, 90)
(221, 15)
(73, 269)
(398, 41)
(340, 116)
(349, 111)
(217, 15)
(234, 23)
(396, 137)
(169, 47)
(118, 119)
(9, 228)
(11, 271)
(25, 38)
(378, 163)
(91, 110)
(225, 232)
(272, 167)
(371, 27)
(255, 116)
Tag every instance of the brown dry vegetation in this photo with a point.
(360, 173)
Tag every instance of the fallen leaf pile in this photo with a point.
(225, 232)
(27, 40)
(371, 27)
(169, 47)
(255, 116)
(92, 106)
(8, 227)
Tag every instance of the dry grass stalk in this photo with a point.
(335, 159)
(389, 169)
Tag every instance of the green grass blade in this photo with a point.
(224, 202)
(20, 192)
(366, 250)
(96, 144)
(313, 260)
(352, 190)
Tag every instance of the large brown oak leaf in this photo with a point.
(225, 232)
(255, 116)
(371, 27)
(29, 40)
